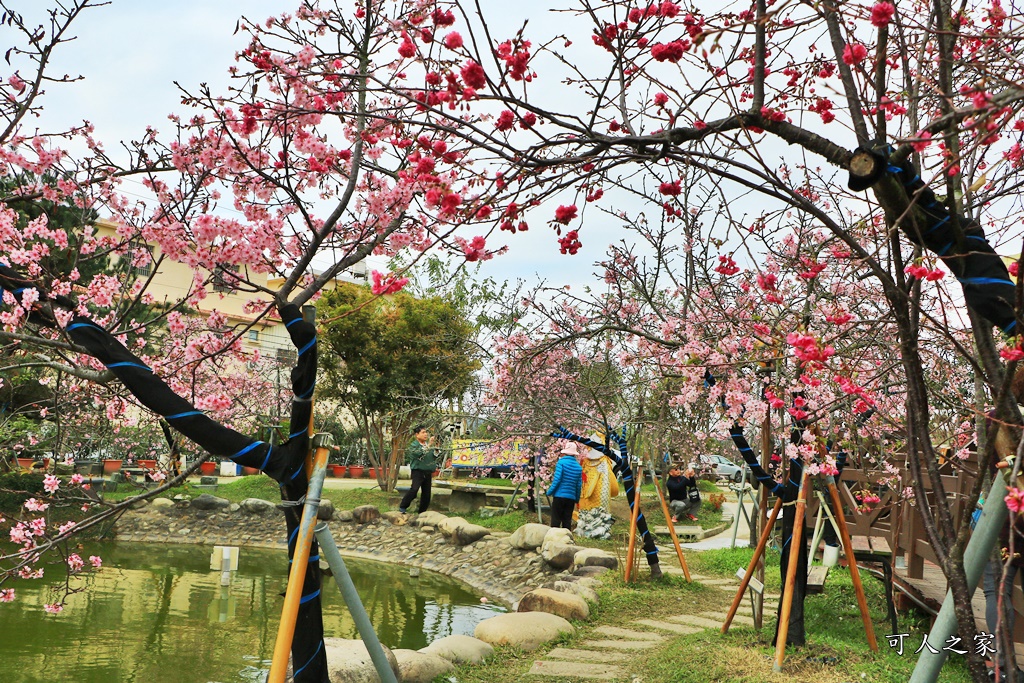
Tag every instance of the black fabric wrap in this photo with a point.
(986, 282)
(621, 460)
(284, 463)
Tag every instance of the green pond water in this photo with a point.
(157, 614)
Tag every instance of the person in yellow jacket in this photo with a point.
(599, 482)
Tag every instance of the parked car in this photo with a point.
(723, 468)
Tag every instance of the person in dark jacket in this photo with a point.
(566, 485)
(683, 495)
(422, 459)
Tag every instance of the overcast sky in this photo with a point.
(131, 52)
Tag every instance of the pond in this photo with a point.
(158, 613)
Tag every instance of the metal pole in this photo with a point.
(329, 550)
(984, 538)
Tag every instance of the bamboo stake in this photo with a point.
(787, 598)
(758, 554)
(852, 562)
(672, 532)
(631, 546)
(762, 511)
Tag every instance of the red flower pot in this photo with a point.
(373, 473)
(340, 471)
(111, 466)
(148, 464)
(356, 471)
(209, 467)
(25, 463)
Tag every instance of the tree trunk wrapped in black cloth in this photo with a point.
(285, 463)
(621, 460)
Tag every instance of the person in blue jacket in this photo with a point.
(565, 488)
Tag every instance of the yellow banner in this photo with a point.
(469, 453)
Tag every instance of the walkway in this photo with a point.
(596, 658)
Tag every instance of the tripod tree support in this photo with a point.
(787, 598)
(631, 547)
(851, 561)
(672, 531)
(300, 559)
(758, 554)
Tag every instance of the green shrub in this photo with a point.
(16, 488)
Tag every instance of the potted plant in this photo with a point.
(356, 471)
(25, 463)
(147, 463)
(111, 465)
(208, 467)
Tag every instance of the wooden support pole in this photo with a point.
(631, 547)
(762, 510)
(297, 576)
(672, 530)
(758, 554)
(844, 532)
(791, 568)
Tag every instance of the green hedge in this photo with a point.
(16, 488)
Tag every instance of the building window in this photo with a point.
(254, 335)
(223, 282)
(141, 262)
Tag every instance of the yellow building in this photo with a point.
(172, 283)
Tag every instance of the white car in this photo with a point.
(723, 467)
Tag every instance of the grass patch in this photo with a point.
(509, 522)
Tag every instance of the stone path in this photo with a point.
(597, 657)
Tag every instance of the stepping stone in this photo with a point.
(669, 626)
(620, 644)
(616, 632)
(721, 582)
(738, 619)
(692, 620)
(576, 670)
(584, 655)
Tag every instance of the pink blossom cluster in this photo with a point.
(923, 272)
(383, 284)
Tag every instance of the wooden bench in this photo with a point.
(876, 549)
(816, 579)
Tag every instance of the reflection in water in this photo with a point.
(158, 613)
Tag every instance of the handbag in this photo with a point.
(694, 495)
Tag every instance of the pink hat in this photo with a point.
(570, 449)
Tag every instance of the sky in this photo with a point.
(130, 53)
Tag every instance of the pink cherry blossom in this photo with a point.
(565, 214)
(881, 13)
(854, 53)
(387, 284)
(53, 608)
(51, 483)
(453, 40)
(96, 561)
(7, 595)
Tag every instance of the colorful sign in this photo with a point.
(469, 453)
